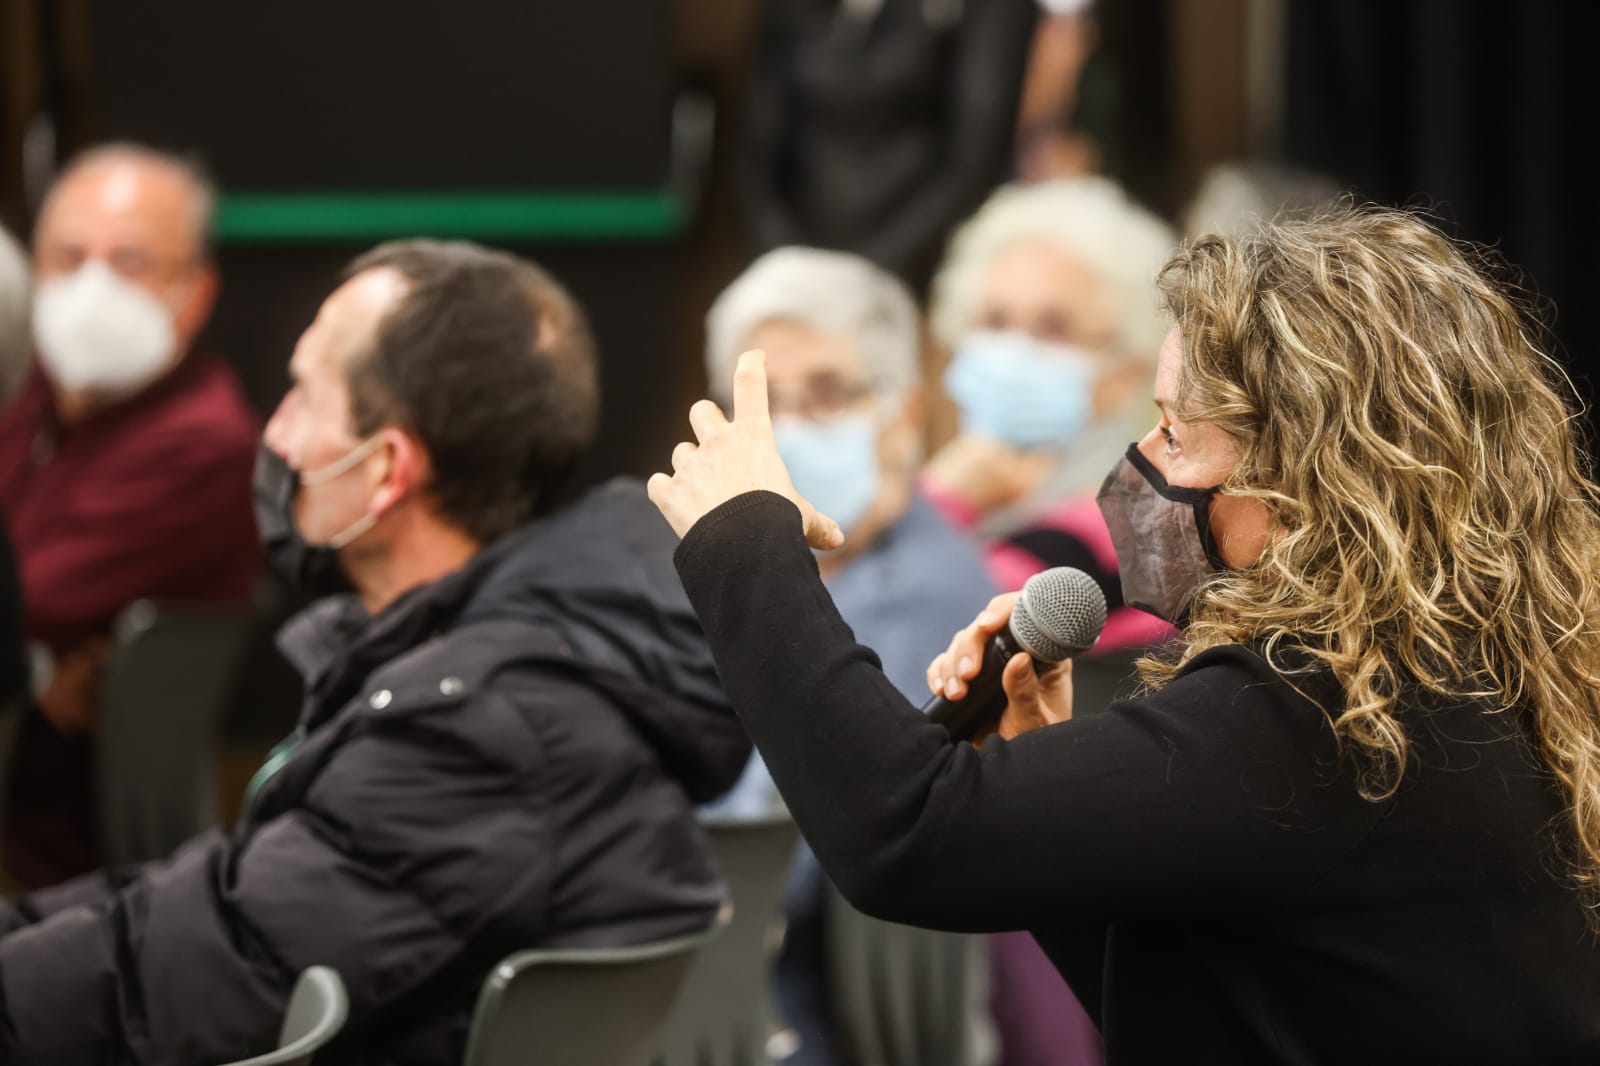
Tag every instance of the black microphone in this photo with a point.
(1060, 614)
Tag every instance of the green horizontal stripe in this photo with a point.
(321, 218)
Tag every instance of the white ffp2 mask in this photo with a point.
(95, 329)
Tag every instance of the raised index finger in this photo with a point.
(750, 386)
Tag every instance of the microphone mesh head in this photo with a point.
(1060, 614)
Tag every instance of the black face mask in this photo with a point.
(311, 569)
(1162, 536)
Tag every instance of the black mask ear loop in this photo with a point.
(1198, 499)
(312, 570)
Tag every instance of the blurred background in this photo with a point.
(623, 144)
(647, 152)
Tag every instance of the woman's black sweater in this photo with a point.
(1199, 864)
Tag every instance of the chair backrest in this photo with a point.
(167, 682)
(721, 1018)
(906, 996)
(317, 1011)
(580, 1007)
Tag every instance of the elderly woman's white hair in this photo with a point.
(1090, 219)
(16, 344)
(835, 292)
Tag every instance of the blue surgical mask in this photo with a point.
(833, 463)
(1021, 391)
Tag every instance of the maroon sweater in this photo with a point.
(147, 498)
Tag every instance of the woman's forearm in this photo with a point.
(1136, 809)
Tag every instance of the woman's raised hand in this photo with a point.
(728, 459)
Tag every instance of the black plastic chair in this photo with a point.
(906, 996)
(317, 1011)
(721, 1018)
(581, 1007)
(167, 686)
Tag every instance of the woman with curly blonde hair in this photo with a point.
(1357, 818)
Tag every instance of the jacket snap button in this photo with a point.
(451, 686)
(380, 699)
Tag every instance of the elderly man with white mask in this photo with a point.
(843, 347)
(125, 463)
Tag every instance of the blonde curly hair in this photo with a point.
(1435, 524)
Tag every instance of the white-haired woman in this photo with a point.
(842, 339)
(1046, 303)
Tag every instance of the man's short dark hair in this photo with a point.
(490, 363)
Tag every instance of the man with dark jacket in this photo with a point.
(506, 727)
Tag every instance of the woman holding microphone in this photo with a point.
(1357, 817)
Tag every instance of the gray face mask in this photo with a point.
(1162, 536)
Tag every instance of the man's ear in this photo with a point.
(191, 316)
(402, 469)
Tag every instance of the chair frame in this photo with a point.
(492, 996)
(723, 1015)
(294, 1049)
(136, 825)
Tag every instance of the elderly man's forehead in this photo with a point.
(145, 192)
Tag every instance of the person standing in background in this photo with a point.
(1051, 139)
(125, 465)
(842, 343)
(874, 126)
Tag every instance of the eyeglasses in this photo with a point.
(822, 399)
(134, 264)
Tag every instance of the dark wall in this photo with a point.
(392, 93)
(401, 95)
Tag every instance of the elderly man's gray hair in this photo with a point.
(835, 292)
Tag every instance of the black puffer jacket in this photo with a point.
(505, 758)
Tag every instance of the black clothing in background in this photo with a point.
(877, 133)
(13, 652)
(1198, 864)
(509, 757)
